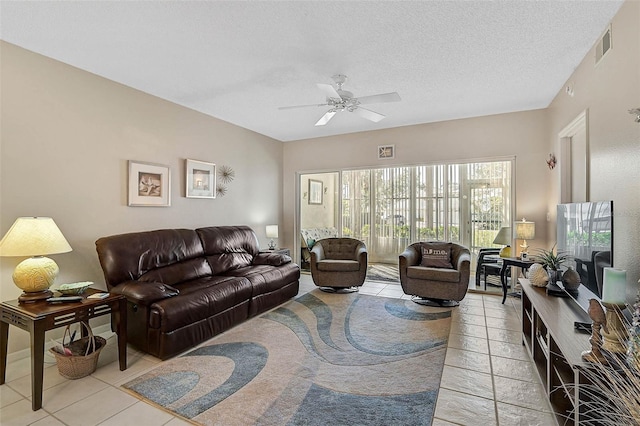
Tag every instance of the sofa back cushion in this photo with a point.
(157, 255)
(228, 247)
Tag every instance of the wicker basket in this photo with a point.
(84, 354)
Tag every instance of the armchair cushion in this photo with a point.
(435, 274)
(337, 265)
(436, 255)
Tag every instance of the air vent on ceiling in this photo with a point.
(604, 45)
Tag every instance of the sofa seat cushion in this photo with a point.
(338, 265)
(265, 278)
(433, 274)
(198, 300)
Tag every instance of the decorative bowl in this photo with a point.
(74, 288)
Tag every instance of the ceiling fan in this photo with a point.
(343, 100)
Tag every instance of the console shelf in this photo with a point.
(555, 347)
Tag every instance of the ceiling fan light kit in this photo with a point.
(342, 100)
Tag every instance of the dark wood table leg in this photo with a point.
(121, 320)
(503, 280)
(4, 337)
(37, 363)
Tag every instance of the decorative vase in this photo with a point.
(538, 275)
(554, 276)
(571, 279)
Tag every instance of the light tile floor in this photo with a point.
(488, 378)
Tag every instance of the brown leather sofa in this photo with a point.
(185, 286)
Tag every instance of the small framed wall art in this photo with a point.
(201, 179)
(315, 191)
(386, 152)
(149, 184)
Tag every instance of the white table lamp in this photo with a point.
(272, 232)
(525, 230)
(504, 238)
(35, 237)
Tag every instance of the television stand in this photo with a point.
(555, 346)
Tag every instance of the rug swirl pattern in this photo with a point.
(319, 359)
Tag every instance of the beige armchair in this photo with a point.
(338, 263)
(442, 286)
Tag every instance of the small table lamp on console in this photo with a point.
(35, 237)
(504, 238)
(272, 232)
(525, 230)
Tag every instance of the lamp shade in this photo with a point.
(272, 231)
(503, 237)
(525, 230)
(33, 236)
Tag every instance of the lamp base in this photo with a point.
(505, 252)
(35, 296)
(272, 245)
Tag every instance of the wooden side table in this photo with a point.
(511, 261)
(39, 317)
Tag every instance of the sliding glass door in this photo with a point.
(389, 208)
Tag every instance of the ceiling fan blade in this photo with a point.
(325, 118)
(302, 106)
(329, 90)
(368, 114)
(381, 98)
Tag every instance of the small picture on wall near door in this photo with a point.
(315, 191)
(386, 152)
(149, 184)
(201, 179)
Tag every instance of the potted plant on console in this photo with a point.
(552, 260)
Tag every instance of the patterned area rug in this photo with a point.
(321, 359)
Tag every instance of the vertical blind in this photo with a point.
(389, 208)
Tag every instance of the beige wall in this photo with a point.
(521, 135)
(607, 91)
(66, 138)
(319, 215)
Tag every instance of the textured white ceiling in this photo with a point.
(240, 61)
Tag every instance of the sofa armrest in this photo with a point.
(144, 293)
(273, 259)
(361, 253)
(409, 257)
(464, 262)
(317, 253)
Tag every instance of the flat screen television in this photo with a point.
(585, 233)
